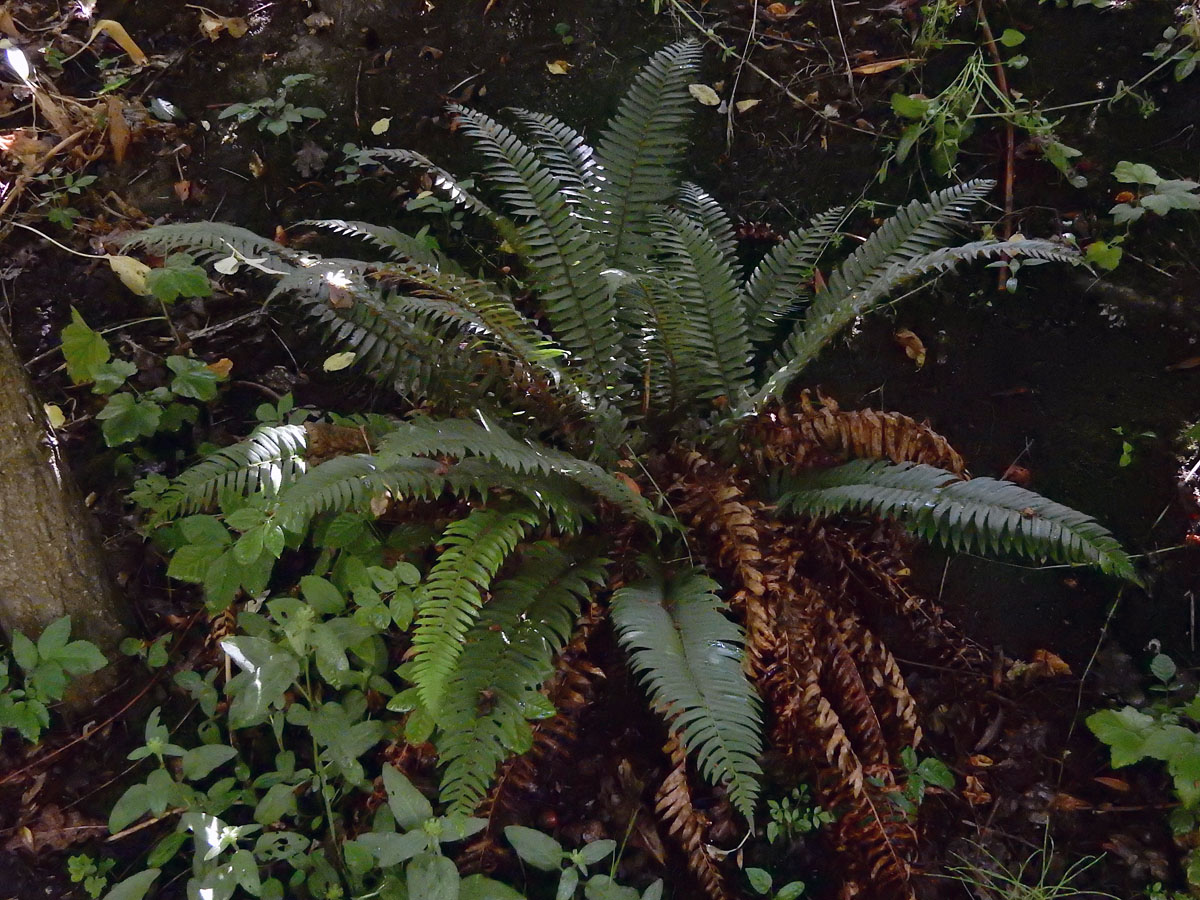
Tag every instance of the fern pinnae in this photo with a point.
(442, 179)
(269, 460)
(718, 352)
(562, 150)
(689, 656)
(451, 596)
(638, 152)
(565, 258)
(506, 657)
(700, 206)
(980, 514)
(779, 281)
(400, 246)
(210, 240)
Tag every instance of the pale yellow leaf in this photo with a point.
(381, 126)
(558, 67)
(704, 94)
(55, 415)
(744, 105)
(117, 32)
(132, 273)
(339, 361)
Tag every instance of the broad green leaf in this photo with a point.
(601, 887)
(191, 562)
(267, 672)
(937, 773)
(433, 878)
(321, 595)
(245, 870)
(595, 851)
(80, 658)
(130, 807)
(391, 849)
(408, 805)
(178, 277)
(198, 762)
(537, 849)
(480, 887)
(910, 107)
(110, 376)
(568, 881)
(83, 349)
(193, 378)
(54, 637)
(1135, 173)
(760, 880)
(790, 891)
(1125, 731)
(24, 652)
(204, 530)
(1162, 666)
(126, 418)
(1010, 37)
(134, 887)
(166, 849)
(277, 803)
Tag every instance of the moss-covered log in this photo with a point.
(50, 560)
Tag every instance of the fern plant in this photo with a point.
(636, 402)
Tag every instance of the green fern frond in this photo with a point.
(982, 514)
(824, 321)
(451, 596)
(689, 656)
(461, 438)
(662, 345)
(506, 658)
(562, 150)
(269, 460)
(564, 258)
(699, 206)
(399, 245)
(639, 151)
(350, 482)
(717, 361)
(780, 281)
(912, 231)
(442, 179)
(209, 240)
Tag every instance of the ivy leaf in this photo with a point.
(134, 887)
(1125, 731)
(193, 378)
(83, 349)
(111, 375)
(539, 850)
(178, 277)
(126, 418)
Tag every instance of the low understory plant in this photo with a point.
(599, 465)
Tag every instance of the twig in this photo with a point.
(1006, 228)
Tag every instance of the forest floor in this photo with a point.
(1079, 383)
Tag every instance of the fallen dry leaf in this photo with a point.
(213, 26)
(117, 32)
(1190, 363)
(913, 348)
(118, 128)
(222, 367)
(132, 273)
(980, 761)
(1117, 784)
(744, 105)
(628, 482)
(1068, 803)
(1049, 663)
(183, 190)
(704, 94)
(7, 25)
(558, 67)
(974, 793)
(883, 65)
(781, 10)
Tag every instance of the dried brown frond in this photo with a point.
(781, 438)
(571, 689)
(687, 825)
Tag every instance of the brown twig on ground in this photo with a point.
(989, 39)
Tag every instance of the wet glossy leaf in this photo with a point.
(134, 887)
(408, 805)
(433, 878)
(537, 849)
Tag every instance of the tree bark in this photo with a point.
(51, 564)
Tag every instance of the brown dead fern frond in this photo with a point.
(689, 827)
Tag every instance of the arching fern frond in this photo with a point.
(779, 282)
(461, 438)
(699, 206)
(398, 244)
(689, 656)
(506, 658)
(982, 514)
(442, 179)
(269, 460)
(717, 353)
(209, 240)
(451, 596)
(639, 151)
(565, 259)
(562, 150)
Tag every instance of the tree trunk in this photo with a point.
(50, 559)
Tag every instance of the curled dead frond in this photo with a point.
(687, 825)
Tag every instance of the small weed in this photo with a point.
(275, 114)
(761, 882)
(1031, 880)
(796, 814)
